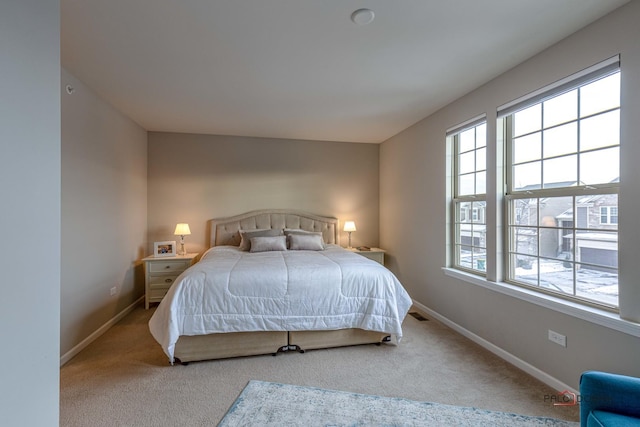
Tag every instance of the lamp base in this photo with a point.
(182, 251)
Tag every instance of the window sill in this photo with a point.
(590, 314)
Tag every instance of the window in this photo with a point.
(608, 215)
(469, 144)
(563, 167)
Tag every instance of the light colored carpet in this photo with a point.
(267, 404)
(124, 378)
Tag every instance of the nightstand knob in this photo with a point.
(167, 266)
(168, 280)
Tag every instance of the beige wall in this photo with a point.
(194, 178)
(414, 221)
(30, 212)
(104, 213)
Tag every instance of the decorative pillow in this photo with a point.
(288, 231)
(291, 231)
(246, 235)
(306, 242)
(265, 244)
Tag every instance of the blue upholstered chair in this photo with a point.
(609, 400)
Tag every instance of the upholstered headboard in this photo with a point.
(226, 231)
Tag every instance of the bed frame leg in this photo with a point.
(177, 360)
(385, 339)
(287, 348)
(296, 348)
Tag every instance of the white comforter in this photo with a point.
(234, 291)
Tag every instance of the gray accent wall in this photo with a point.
(413, 214)
(104, 214)
(193, 178)
(30, 212)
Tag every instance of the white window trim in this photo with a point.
(505, 113)
(467, 124)
(588, 313)
(569, 82)
(451, 134)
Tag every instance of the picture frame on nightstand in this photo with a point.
(164, 249)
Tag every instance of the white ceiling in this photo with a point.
(301, 69)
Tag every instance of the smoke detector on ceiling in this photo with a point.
(363, 16)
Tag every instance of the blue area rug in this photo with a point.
(271, 404)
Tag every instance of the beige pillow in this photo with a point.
(246, 235)
(288, 231)
(265, 244)
(298, 231)
(306, 242)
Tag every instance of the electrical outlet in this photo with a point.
(557, 338)
(113, 290)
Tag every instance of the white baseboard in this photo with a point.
(101, 330)
(517, 362)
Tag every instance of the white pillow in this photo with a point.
(306, 242)
(265, 244)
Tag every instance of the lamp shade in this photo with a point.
(182, 229)
(349, 226)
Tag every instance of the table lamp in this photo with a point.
(182, 230)
(349, 227)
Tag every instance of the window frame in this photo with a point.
(578, 190)
(463, 209)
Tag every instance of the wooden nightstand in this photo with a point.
(160, 273)
(375, 254)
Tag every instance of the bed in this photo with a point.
(309, 294)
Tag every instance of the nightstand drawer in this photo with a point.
(161, 281)
(156, 294)
(168, 266)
